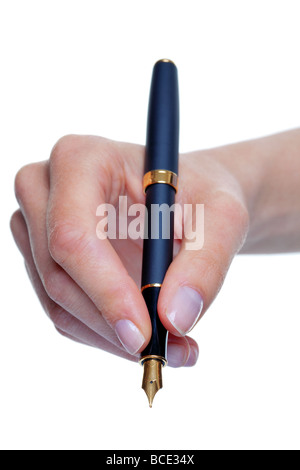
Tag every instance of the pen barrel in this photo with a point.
(159, 233)
(161, 154)
(163, 119)
(157, 256)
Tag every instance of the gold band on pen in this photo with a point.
(160, 176)
(155, 284)
(163, 360)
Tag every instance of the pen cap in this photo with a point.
(162, 143)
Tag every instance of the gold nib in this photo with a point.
(152, 380)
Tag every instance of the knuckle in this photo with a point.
(235, 210)
(15, 219)
(238, 219)
(64, 239)
(54, 285)
(22, 181)
(59, 317)
(239, 214)
(232, 219)
(62, 333)
(63, 147)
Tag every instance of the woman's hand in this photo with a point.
(90, 288)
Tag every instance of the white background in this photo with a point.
(85, 67)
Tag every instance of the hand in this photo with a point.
(90, 288)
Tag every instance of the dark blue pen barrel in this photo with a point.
(161, 154)
(163, 119)
(157, 256)
(158, 343)
(159, 233)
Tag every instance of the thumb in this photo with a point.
(195, 277)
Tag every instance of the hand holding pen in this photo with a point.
(90, 288)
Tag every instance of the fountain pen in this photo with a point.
(160, 187)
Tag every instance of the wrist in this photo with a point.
(246, 164)
(267, 170)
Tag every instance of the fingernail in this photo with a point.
(185, 309)
(129, 335)
(177, 355)
(193, 357)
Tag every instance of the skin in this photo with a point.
(251, 195)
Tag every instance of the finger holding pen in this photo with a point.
(68, 305)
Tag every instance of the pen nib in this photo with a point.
(152, 380)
